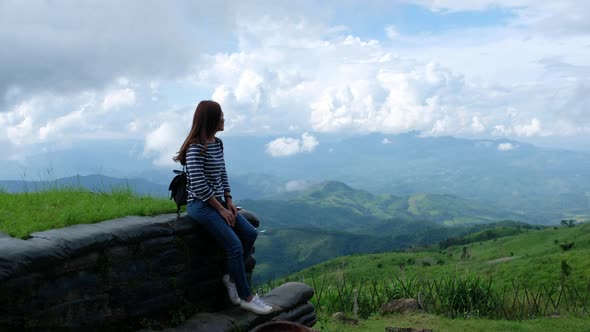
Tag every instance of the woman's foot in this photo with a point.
(256, 305)
(232, 291)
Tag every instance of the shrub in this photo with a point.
(465, 254)
(467, 296)
(566, 269)
(566, 246)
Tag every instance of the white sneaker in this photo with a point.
(232, 291)
(256, 305)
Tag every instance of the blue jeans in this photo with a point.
(237, 242)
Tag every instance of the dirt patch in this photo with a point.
(502, 260)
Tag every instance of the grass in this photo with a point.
(441, 324)
(531, 257)
(24, 213)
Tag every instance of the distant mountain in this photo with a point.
(283, 251)
(156, 185)
(332, 219)
(335, 205)
(545, 184)
(96, 183)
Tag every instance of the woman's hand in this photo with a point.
(229, 216)
(231, 206)
(226, 214)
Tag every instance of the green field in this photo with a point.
(24, 213)
(441, 324)
(516, 272)
(520, 255)
(531, 257)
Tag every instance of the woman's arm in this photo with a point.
(225, 183)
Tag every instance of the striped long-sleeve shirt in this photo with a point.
(206, 171)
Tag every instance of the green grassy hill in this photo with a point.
(283, 251)
(332, 196)
(505, 274)
(532, 257)
(349, 221)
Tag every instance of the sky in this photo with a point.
(81, 73)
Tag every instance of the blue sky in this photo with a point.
(94, 73)
(409, 19)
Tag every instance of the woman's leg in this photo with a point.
(227, 238)
(247, 234)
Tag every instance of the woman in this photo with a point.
(210, 202)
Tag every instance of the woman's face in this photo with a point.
(221, 122)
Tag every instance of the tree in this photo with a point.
(568, 222)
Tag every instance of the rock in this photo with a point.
(289, 295)
(206, 322)
(22, 256)
(341, 317)
(405, 329)
(303, 313)
(282, 326)
(399, 306)
(290, 302)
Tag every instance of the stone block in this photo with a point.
(289, 295)
(74, 314)
(155, 304)
(18, 256)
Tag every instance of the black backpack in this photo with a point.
(178, 188)
(178, 185)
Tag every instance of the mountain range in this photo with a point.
(331, 219)
(543, 184)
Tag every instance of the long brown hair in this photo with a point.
(205, 122)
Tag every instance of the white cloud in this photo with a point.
(386, 141)
(296, 185)
(506, 147)
(118, 98)
(476, 125)
(85, 45)
(391, 32)
(163, 143)
(59, 125)
(287, 146)
(308, 142)
(519, 130)
(288, 72)
(19, 123)
(364, 86)
(284, 146)
(531, 129)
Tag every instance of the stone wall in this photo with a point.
(111, 274)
